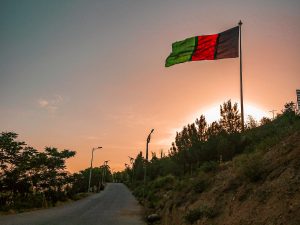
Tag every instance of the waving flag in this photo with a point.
(205, 47)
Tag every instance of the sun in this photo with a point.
(212, 113)
(256, 112)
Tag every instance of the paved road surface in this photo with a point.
(114, 206)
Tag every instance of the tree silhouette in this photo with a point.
(265, 120)
(289, 107)
(202, 128)
(213, 130)
(230, 118)
(26, 172)
(251, 122)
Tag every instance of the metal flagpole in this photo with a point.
(298, 99)
(241, 77)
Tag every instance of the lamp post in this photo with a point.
(92, 167)
(145, 170)
(148, 141)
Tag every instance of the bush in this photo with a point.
(139, 191)
(201, 183)
(210, 166)
(180, 185)
(250, 166)
(163, 182)
(193, 215)
(209, 212)
(28, 202)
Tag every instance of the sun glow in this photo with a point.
(212, 113)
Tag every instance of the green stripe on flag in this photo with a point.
(181, 51)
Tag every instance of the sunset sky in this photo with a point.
(81, 74)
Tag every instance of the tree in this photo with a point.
(230, 118)
(183, 144)
(24, 171)
(213, 130)
(138, 167)
(289, 107)
(202, 128)
(251, 123)
(265, 120)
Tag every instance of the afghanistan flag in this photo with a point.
(206, 47)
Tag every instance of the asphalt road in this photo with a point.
(113, 206)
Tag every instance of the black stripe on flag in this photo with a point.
(228, 44)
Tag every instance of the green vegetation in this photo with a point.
(33, 179)
(200, 151)
(210, 166)
(250, 166)
(202, 146)
(202, 212)
(201, 183)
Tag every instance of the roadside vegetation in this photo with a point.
(203, 158)
(207, 168)
(33, 179)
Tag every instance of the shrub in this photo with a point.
(209, 212)
(152, 197)
(201, 183)
(210, 166)
(193, 215)
(31, 201)
(250, 166)
(166, 181)
(180, 185)
(138, 191)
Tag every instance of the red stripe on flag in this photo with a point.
(205, 49)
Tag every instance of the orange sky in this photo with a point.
(77, 75)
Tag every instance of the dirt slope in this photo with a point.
(231, 199)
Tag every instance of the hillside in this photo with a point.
(260, 186)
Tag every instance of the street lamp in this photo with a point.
(148, 141)
(92, 167)
(145, 170)
(131, 159)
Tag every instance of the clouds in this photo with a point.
(52, 104)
